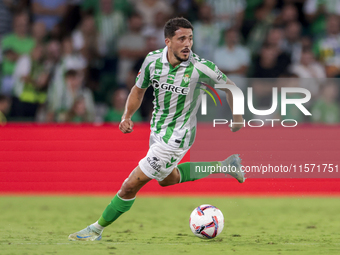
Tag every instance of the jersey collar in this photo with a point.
(165, 59)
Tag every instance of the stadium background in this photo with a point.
(60, 54)
(66, 62)
(66, 69)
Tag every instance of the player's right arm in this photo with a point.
(133, 102)
(135, 97)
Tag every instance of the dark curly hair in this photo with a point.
(174, 24)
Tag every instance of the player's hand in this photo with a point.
(237, 124)
(126, 126)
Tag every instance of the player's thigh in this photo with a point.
(160, 162)
(173, 178)
(136, 180)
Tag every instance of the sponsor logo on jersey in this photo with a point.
(154, 163)
(170, 87)
(171, 77)
(158, 71)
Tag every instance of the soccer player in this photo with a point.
(176, 74)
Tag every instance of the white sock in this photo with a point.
(97, 226)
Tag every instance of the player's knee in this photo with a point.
(127, 189)
(164, 184)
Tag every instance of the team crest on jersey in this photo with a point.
(158, 71)
(170, 87)
(186, 78)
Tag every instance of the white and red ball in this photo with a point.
(206, 221)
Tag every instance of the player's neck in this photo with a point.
(173, 60)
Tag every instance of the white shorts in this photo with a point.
(161, 159)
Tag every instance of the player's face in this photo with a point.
(180, 44)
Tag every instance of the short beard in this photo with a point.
(180, 59)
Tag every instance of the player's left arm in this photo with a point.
(217, 77)
(236, 118)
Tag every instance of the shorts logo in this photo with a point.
(154, 163)
(170, 87)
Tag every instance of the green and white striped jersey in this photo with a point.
(177, 94)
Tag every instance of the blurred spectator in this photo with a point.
(185, 8)
(78, 113)
(5, 104)
(232, 58)
(228, 13)
(291, 44)
(149, 8)
(53, 54)
(289, 13)
(86, 39)
(133, 73)
(132, 46)
(327, 109)
(71, 18)
(151, 45)
(117, 108)
(251, 7)
(69, 60)
(39, 32)
(31, 79)
(62, 98)
(206, 33)
(50, 12)
(14, 45)
(292, 111)
(275, 37)
(123, 6)
(270, 63)
(317, 11)
(157, 29)
(111, 25)
(92, 39)
(265, 15)
(311, 72)
(328, 48)
(7, 8)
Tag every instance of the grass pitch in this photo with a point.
(159, 225)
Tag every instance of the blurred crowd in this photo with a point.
(76, 60)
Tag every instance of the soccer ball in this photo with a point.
(206, 221)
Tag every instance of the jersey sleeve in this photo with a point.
(211, 70)
(143, 76)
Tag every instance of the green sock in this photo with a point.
(192, 171)
(117, 207)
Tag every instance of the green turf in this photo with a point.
(41, 225)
